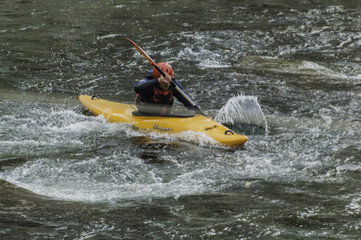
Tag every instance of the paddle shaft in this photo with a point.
(178, 89)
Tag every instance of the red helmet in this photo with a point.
(165, 67)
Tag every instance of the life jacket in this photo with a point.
(159, 97)
(163, 97)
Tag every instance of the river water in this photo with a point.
(68, 175)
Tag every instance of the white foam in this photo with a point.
(205, 57)
(354, 207)
(353, 167)
(120, 176)
(114, 35)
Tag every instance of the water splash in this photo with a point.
(242, 110)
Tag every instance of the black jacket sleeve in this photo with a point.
(145, 85)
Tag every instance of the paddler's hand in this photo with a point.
(164, 82)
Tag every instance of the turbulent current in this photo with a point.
(285, 73)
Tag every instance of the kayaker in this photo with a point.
(155, 93)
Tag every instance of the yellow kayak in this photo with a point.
(127, 113)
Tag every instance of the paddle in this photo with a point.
(141, 51)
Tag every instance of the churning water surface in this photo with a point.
(285, 73)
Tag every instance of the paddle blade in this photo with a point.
(141, 51)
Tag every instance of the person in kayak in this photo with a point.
(155, 93)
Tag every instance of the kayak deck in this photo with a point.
(121, 112)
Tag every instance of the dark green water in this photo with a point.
(66, 175)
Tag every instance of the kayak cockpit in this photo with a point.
(177, 115)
